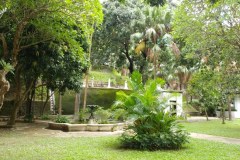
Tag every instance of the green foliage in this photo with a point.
(101, 76)
(61, 119)
(156, 2)
(102, 115)
(119, 114)
(45, 117)
(83, 115)
(203, 85)
(152, 129)
(6, 66)
(153, 132)
(111, 44)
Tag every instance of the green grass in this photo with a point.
(105, 148)
(215, 127)
(101, 76)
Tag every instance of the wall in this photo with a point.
(237, 105)
(171, 96)
(103, 97)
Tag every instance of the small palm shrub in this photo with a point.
(153, 132)
(152, 128)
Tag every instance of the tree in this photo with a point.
(214, 28)
(50, 63)
(154, 40)
(112, 39)
(27, 23)
(203, 85)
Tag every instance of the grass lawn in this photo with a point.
(215, 127)
(27, 147)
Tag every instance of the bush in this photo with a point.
(83, 115)
(154, 132)
(120, 114)
(102, 115)
(45, 117)
(152, 128)
(61, 119)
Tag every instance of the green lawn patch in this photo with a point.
(101, 75)
(215, 127)
(22, 147)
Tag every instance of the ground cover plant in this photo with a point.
(24, 146)
(152, 128)
(214, 127)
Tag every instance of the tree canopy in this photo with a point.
(40, 27)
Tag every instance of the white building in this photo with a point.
(174, 100)
(237, 105)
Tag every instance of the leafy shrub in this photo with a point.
(102, 115)
(83, 115)
(45, 117)
(61, 119)
(120, 114)
(153, 132)
(152, 128)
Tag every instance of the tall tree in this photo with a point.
(214, 28)
(112, 40)
(26, 23)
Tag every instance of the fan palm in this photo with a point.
(155, 35)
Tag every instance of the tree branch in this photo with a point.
(20, 28)
(35, 43)
(5, 46)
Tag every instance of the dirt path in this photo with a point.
(40, 129)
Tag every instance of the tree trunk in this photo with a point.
(223, 115)
(229, 108)
(85, 92)
(20, 96)
(4, 86)
(17, 98)
(45, 103)
(76, 107)
(131, 69)
(13, 114)
(29, 107)
(60, 104)
(205, 110)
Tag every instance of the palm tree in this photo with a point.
(184, 74)
(155, 36)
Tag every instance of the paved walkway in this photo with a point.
(215, 138)
(199, 118)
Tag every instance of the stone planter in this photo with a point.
(106, 127)
(118, 126)
(86, 127)
(92, 127)
(77, 127)
(58, 126)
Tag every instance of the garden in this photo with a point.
(119, 79)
